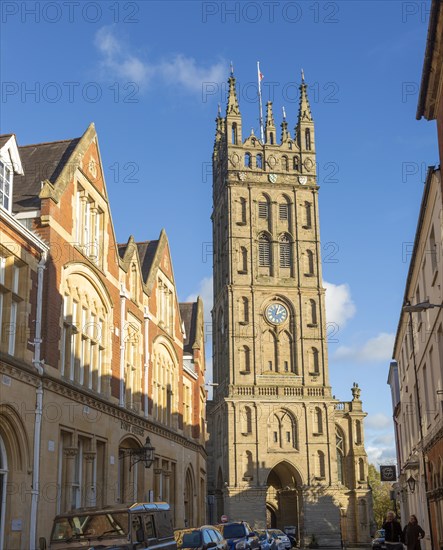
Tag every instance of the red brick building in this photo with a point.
(123, 360)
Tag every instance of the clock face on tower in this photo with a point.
(276, 313)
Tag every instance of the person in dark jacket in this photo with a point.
(393, 532)
(412, 534)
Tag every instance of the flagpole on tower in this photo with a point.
(260, 76)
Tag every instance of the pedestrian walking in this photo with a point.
(393, 532)
(412, 534)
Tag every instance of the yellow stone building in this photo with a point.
(283, 451)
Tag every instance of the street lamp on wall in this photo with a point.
(143, 454)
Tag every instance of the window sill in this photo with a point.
(242, 272)
(245, 372)
(309, 274)
(312, 325)
(317, 433)
(314, 374)
(243, 323)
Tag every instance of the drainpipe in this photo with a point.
(122, 344)
(38, 363)
(147, 318)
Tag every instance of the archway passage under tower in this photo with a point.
(283, 498)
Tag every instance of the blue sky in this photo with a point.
(150, 76)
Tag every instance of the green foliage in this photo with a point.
(381, 495)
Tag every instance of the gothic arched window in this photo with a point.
(308, 215)
(234, 133)
(285, 251)
(264, 250)
(308, 139)
(247, 420)
(248, 160)
(340, 450)
(358, 434)
(259, 161)
(243, 260)
(318, 421)
(245, 360)
(309, 262)
(313, 307)
(314, 366)
(321, 469)
(296, 164)
(285, 163)
(361, 469)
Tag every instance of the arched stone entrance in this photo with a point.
(3, 485)
(284, 498)
(189, 498)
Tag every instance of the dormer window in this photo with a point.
(5, 186)
(10, 164)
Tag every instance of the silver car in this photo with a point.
(282, 540)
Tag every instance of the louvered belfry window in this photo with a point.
(264, 251)
(263, 210)
(285, 251)
(283, 211)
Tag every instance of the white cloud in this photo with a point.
(376, 349)
(119, 62)
(184, 71)
(381, 455)
(339, 305)
(378, 421)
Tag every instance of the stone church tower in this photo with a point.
(282, 450)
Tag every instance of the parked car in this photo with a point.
(378, 542)
(200, 538)
(267, 542)
(115, 527)
(282, 540)
(239, 535)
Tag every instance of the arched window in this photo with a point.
(249, 465)
(314, 367)
(321, 470)
(308, 139)
(286, 353)
(361, 469)
(247, 420)
(283, 432)
(234, 133)
(313, 307)
(285, 163)
(271, 138)
(296, 164)
(244, 309)
(243, 267)
(242, 211)
(318, 421)
(309, 262)
(259, 161)
(245, 360)
(264, 250)
(248, 160)
(340, 449)
(269, 351)
(285, 251)
(308, 215)
(358, 434)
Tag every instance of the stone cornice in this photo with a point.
(23, 372)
